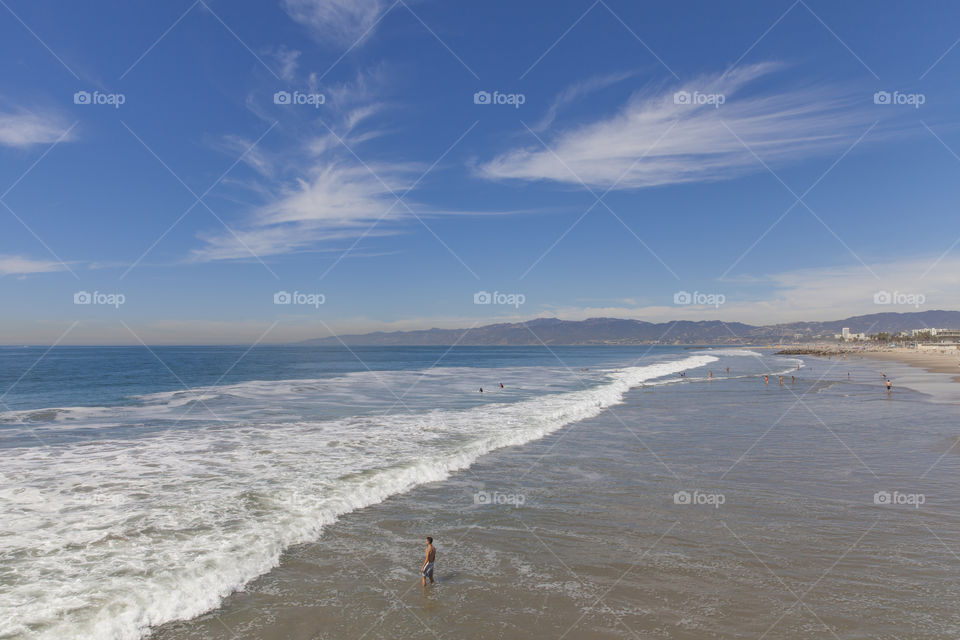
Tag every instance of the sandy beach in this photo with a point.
(946, 361)
(933, 359)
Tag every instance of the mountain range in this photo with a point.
(597, 331)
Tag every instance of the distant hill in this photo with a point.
(552, 331)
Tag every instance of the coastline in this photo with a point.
(932, 362)
(942, 360)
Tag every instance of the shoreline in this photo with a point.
(930, 362)
(941, 360)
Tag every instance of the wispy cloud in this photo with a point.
(320, 192)
(19, 266)
(339, 21)
(328, 188)
(253, 155)
(287, 61)
(658, 138)
(26, 128)
(576, 91)
(335, 201)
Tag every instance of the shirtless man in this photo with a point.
(426, 571)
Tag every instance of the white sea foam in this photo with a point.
(105, 539)
(732, 352)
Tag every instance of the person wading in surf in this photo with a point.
(426, 571)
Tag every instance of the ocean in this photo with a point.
(284, 492)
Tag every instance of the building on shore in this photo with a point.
(932, 338)
(948, 336)
(846, 335)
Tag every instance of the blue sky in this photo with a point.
(627, 153)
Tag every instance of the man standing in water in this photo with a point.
(426, 571)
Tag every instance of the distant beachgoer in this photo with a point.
(728, 369)
(501, 385)
(481, 389)
(766, 379)
(711, 374)
(781, 381)
(426, 571)
(792, 379)
(888, 386)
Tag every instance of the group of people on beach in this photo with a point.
(766, 380)
(793, 380)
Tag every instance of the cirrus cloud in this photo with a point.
(658, 139)
(340, 21)
(11, 265)
(26, 128)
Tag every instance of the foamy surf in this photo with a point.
(109, 538)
